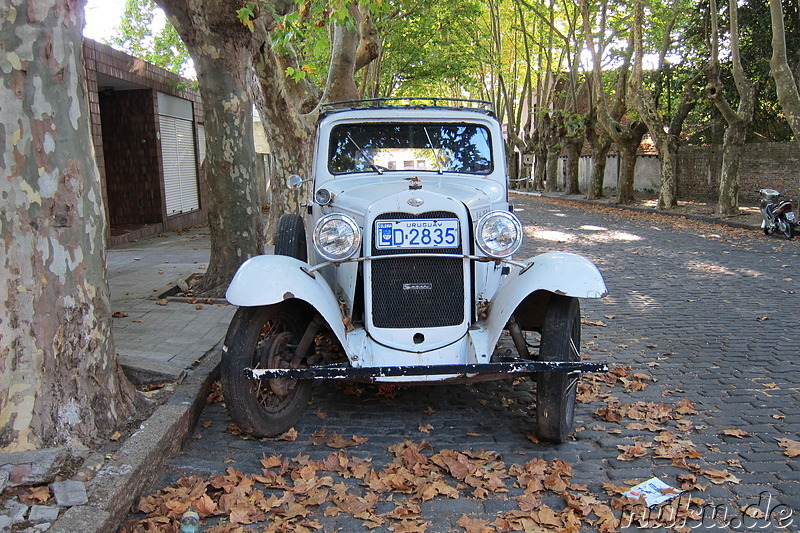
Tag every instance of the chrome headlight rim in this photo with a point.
(506, 251)
(352, 242)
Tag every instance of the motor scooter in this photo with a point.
(777, 214)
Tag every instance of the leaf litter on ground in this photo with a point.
(298, 494)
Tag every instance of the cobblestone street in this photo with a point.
(699, 312)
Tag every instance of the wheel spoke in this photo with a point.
(572, 382)
(574, 349)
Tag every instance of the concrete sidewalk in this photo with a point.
(157, 335)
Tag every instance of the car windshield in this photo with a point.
(433, 147)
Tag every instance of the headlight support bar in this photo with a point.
(478, 258)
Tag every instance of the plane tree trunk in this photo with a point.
(738, 121)
(222, 50)
(59, 381)
(785, 83)
(290, 112)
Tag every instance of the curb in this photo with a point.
(650, 210)
(141, 459)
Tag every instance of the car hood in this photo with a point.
(354, 195)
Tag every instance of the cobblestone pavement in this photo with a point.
(707, 313)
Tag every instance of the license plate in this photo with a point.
(791, 216)
(425, 233)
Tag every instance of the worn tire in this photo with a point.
(290, 238)
(786, 227)
(253, 404)
(556, 391)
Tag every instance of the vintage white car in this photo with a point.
(409, 273)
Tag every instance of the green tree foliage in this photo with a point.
(756, 49)
(138, 35)
(707, 125)
(430, 48)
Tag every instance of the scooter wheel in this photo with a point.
(787, 228)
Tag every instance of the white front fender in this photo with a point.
(271, 279)
(528, 289)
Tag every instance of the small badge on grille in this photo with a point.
(417, 286)
(415, 202)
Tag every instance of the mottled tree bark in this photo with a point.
(601, 144)
(222, 49)
(785, 83)
(627, 137)
(59, 377)
(573, 145)
(551, 183)
(290, 132)
(666, 135)
(553, 139)
(539, 169)
(738, 121)
(628, 146)
(288, 116)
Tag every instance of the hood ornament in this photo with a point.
(414, 183)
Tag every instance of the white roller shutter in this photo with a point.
(180, 170)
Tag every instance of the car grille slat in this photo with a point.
(418, 292)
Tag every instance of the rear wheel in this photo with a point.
(556, 391)
(786, 227)
(264, 337)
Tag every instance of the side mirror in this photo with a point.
(294, 182)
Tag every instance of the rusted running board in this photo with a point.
(348, 372)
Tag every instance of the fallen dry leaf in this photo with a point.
(738, 433)
(289, 436)
(474, 525)
(37, 495)
(790, 447)
(685, 407)
(631, 452)
(718, 477)
(600, 323)
(335, 440)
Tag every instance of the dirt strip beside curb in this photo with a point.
(141, 459)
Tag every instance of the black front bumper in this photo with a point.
(345, 371)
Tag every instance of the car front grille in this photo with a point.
(418, 292)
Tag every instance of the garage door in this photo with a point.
(180, 171)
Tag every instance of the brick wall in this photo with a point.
(132, 166)
(775, 165)
(100, 61)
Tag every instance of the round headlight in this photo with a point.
(323, 196)
(499, 233)
(336, 237)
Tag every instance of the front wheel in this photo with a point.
(264, 337)
(556, 391)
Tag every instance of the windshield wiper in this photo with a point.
(434, 149)
(367, 158)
